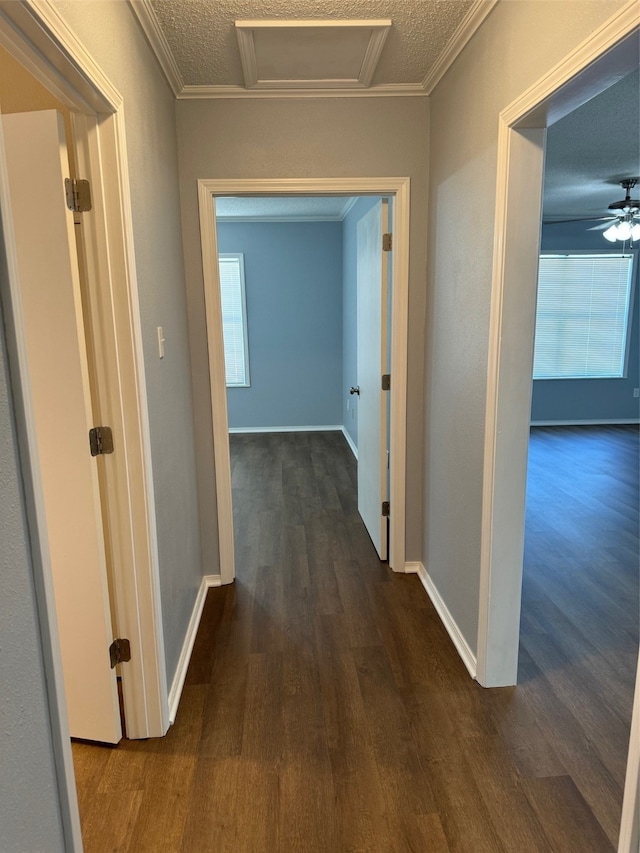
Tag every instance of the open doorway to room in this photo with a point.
(585, 696)
(42, 83)
(579, 623)
(305, 311)
(343, 190)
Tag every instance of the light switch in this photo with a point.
(160, 343)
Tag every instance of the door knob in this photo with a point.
(355, 390)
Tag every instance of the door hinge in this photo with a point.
(119, 652)
(386, 382)
(387, 242)
(386, 509)
(78, 194)
(100, 440)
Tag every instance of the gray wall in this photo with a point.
(333, 137)
(29, 806)
(293, 282)
(589, 399)
(516, 45)
(350, 313)
(113, 37)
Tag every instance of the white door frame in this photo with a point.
(399, 190)
(608, 54)
(37, 36)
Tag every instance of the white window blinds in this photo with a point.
(234, 319)
(582, 316)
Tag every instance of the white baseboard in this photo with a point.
(175, 693)
(602, 422)
(468, 657)
(350, 442)
(329, 428)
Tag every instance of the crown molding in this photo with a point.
(147, 19)
(387, 90)
(464, 31)
(145, 15)
(281, 219)
(349, 203)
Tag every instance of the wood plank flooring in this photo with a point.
(325, 708)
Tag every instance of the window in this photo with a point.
(582, 316)
(234, 320)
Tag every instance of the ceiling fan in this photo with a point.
(624, 221)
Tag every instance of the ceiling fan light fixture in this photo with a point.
(611, 234)
(635, 232)
(624, 230)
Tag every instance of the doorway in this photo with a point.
(398, 190)
(305, 326)
(609, 55)
(98, 130)
(521, 143)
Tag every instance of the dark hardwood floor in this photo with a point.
(325, 708)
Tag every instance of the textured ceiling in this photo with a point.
(202, 38)
(591, 150)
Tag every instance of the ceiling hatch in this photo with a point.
(310, 54)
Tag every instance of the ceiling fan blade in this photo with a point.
(601, 226)
(579, 219)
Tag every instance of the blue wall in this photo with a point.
(588, 399)
(293, 280)
(349, 313)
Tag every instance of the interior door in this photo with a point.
(43, 226)
(373, 359)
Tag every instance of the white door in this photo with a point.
(58, 375)
(372, 350)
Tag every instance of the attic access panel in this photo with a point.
(310, 54)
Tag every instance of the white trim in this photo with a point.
(629, 839)
(57, 47)
(143, 10)
(549, 92)
(463, 33)
(588, 422)
(217, 383)
(373, 51)
(350, 441)
(248, 430)
(384, 90)
(121, 401)
(451, 626)
(207, 583)
(606, 55)
(399, 188)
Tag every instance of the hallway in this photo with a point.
(325, 708)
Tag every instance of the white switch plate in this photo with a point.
(160, 342)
